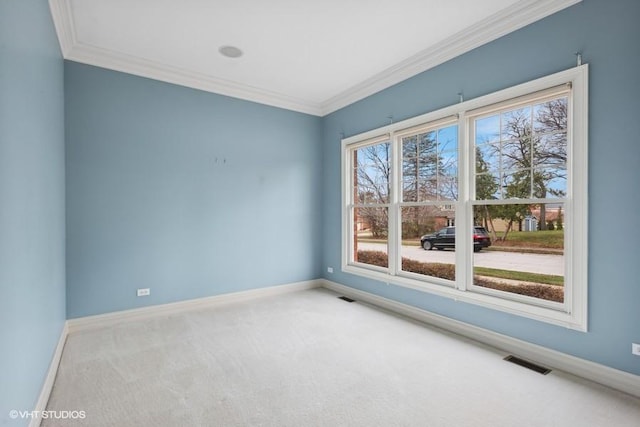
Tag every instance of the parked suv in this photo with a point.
(446, 238)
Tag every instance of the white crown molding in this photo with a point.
(118, 61)
(509, 20)
(63, 21)
(515, 17)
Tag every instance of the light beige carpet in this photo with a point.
(311, 359)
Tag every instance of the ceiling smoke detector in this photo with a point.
(230, 51)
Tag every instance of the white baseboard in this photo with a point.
(108, 319)
(596, 372)
(45, 392)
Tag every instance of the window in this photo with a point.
(483, 201)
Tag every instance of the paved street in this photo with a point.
(532, 263)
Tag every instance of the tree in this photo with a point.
(372, 174)
(486, 188)
(534, 151)
(559, 220)
(420, 163)
(373, 169)
(516, 213)
(426, 176)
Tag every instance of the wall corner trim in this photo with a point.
(610, 377)
(45, 392)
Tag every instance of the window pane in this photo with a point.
(411, 178)
(488, 187)
(550, 182)
(488, 172)
(550, 116)
(430, 165)
(425, 228)
(516, 124)
(551, 149)
(448, 175)
(370, 236)
(550, 161)
(427, 144)
(430, 190)
(526, 162)
(526, 255)
(410, 189)
(488, 129)
(516, 184)
(410, 147)
(516, 154)
(448, 139)
(488, 158)
(372, 170)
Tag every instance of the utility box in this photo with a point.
(530, 223)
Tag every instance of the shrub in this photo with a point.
(447, 271)
(373, 258)
(380, 259)
(434, 269)
(546, 292)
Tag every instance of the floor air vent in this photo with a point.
(347, 299)
(539, 369)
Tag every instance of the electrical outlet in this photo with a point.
(635, 349)
(330, 269)
(144, 292)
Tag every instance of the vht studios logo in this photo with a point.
(59, 415)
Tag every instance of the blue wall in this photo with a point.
(194, 194)
(607, 33)
(32, 221)
(188, 193)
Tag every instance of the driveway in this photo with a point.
(532, 263)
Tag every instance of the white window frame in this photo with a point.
(573, 312)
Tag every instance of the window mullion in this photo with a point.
(395, 236)
(463, 207)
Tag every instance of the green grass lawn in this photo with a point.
(523, 276)
(534, 239)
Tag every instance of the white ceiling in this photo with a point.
(313, 56)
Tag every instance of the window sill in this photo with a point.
(555, 316)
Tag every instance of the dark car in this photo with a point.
(446, 238)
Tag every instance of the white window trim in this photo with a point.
(573, 313)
